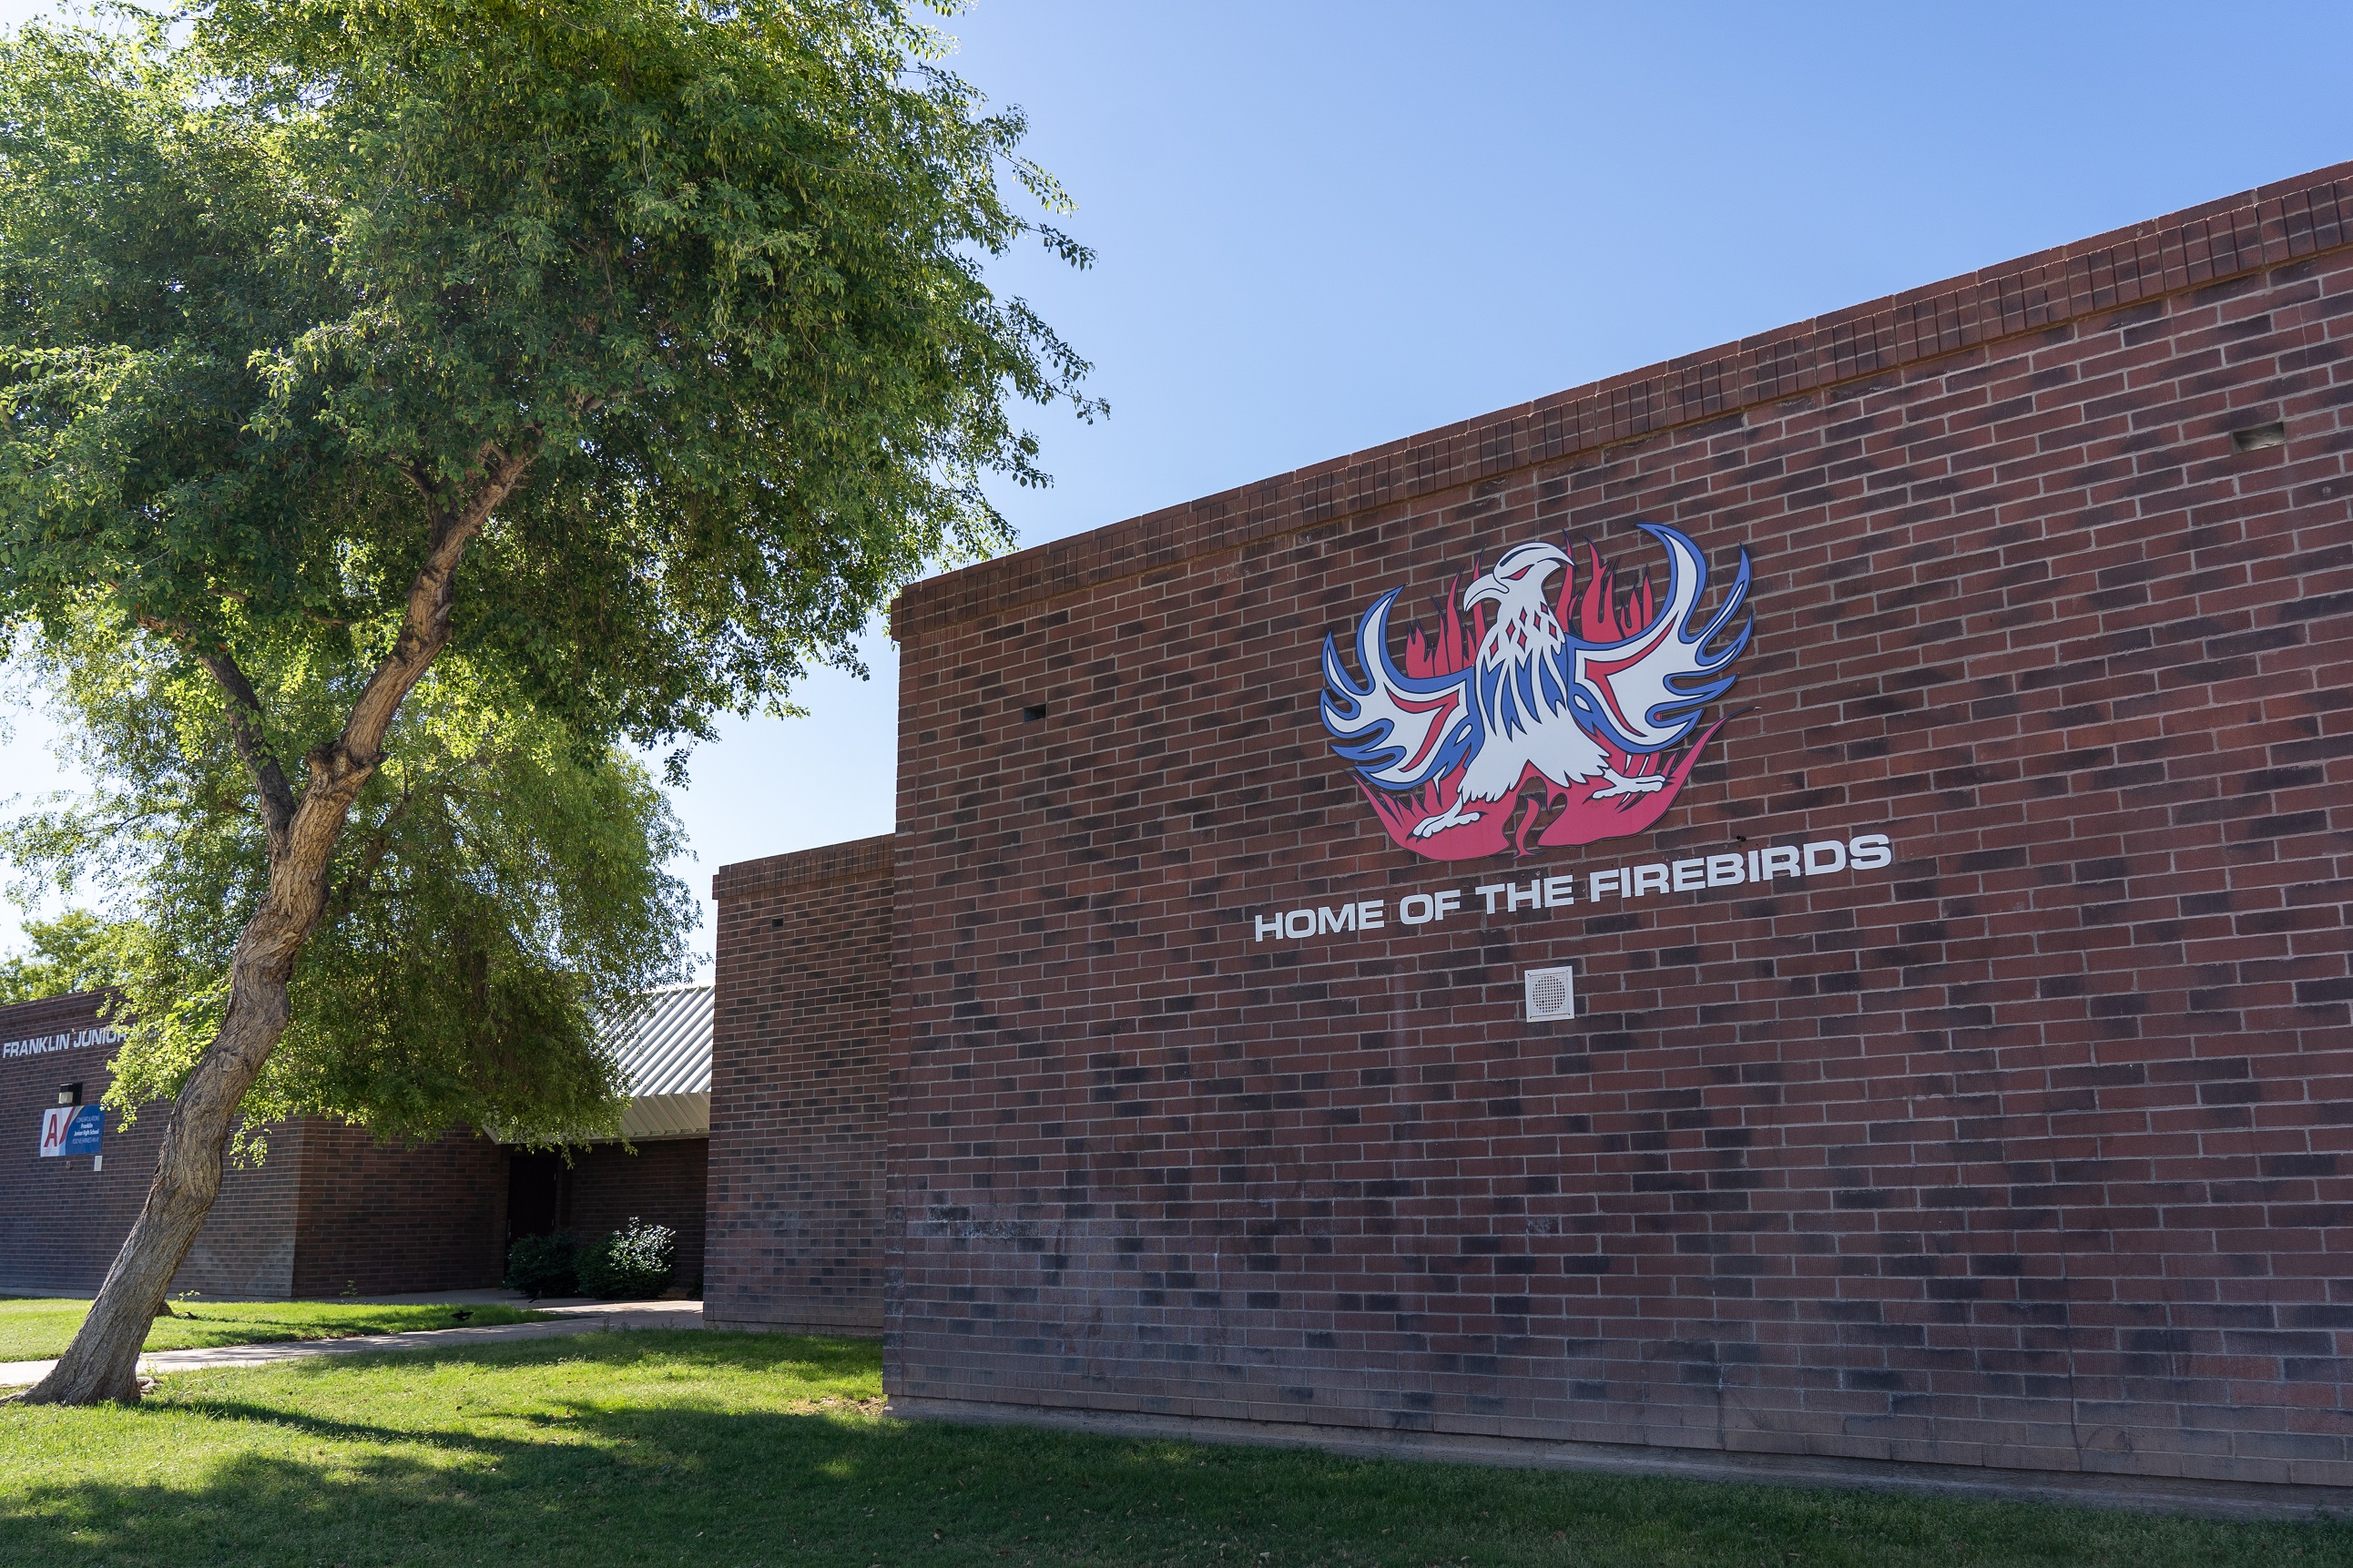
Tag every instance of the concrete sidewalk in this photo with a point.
(593, 1318)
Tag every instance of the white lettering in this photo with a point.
(70, 1040)
(1725, 868)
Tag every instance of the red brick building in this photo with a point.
(330, 1212)
(1960, 1073)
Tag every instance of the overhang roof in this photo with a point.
(663, 1041)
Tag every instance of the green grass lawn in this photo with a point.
(657, 1447)
(34, 1328)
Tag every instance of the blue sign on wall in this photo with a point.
(81, 1138)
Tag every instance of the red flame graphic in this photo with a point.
(1570, 817)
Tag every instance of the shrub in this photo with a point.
(543, 1266)
(632, 1264)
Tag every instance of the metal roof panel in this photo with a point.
(662, 1040)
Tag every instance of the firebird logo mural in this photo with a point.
(1499, 709)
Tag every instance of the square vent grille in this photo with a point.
(1552, 994)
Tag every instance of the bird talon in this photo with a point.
(1429, 826)
(1620, 785)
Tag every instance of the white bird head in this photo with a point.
(1520, 575)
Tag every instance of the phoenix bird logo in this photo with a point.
(1570, 704)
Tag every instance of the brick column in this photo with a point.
(800, 1089)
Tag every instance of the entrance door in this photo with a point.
(535, 1190)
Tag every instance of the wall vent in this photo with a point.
(2259, 437)
(1552, 994)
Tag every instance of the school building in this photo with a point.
(1781, 914)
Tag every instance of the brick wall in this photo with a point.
(2028, 1150)
(663, 1183)
(248, 1246)
(61, 1222)
(376, 1219)
(799, 1088)
(326, 1212)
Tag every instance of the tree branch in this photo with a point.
(421, 482)
(239, 597)
(243, 706)
(424, 625)
(377, 847)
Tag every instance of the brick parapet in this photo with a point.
(856, 859)
(2230, 237)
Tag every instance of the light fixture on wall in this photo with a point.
(2256, 438)
(68, 1094)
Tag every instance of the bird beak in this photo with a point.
(1523, 566)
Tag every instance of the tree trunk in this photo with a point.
(102, 1362)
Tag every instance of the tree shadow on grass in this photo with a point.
(647, 1448)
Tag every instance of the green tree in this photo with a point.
(497, 887)
(75, 952)
(621, 355)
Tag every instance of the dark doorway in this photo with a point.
(534, 1194)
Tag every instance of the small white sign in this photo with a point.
(1552, 994)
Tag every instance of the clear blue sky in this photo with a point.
(1320, 227)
